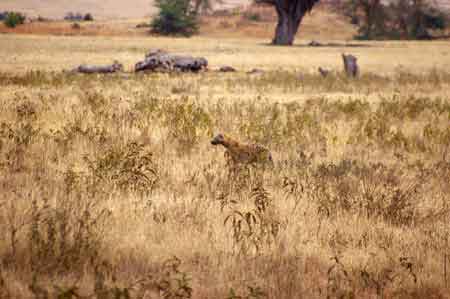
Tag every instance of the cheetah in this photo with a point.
(237, 153)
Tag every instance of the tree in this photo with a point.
(400, 19)
(417, 18)
(371, 24)
(88, 17)
(12, 19)
(176, 17)
(290, 14)
(70, 16)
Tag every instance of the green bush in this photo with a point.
(401, 19)
(175, 18)
(12, 19)
(76, 26)
(254, 17)
(435, 19)
(88, 17)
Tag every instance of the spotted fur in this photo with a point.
(237, 153)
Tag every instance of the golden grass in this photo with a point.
(104, 28)
(104, 179)
(33, 52)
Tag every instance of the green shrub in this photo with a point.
(175, 18)
(254, 17)
(70, 16)
(76, 26)
(435, 19)
(88, 17)
(12, 19)
(401, 19)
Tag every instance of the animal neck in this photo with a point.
(230, 143)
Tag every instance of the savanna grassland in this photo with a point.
(110, 188)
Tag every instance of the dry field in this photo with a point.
(110, 187)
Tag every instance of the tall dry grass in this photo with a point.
(111, 189)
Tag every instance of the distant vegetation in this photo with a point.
(253, 16)
(12, 19)
(70, 16)
(403, 19)
(88, 17)
(175, 17)
(76, 26)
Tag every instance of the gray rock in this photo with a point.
(256, 72)
(227, 69)
(99, 69)
(314, 43)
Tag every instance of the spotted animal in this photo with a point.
(238, 154)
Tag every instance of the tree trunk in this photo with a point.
(290, 14)
(282, 31)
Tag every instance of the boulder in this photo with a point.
(256, 72)
(227, 69)
(99, 69)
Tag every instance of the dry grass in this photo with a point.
(31, 52)
(111, 188)
(103, 28)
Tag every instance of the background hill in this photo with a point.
(104, 9)
(100, 9)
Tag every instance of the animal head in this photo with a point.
(203, 62)
(219, 139)
(117, 66)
